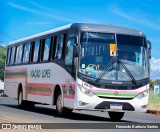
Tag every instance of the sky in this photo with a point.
(22, 18)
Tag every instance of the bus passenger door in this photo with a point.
(69, 56)
(69, 91)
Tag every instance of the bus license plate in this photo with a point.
(116, 106)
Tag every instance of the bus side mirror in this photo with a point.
(149, 46)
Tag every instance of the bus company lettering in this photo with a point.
(37, 73)
(87, 85)
(46, 73)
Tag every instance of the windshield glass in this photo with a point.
(132, 51)
(95, 55)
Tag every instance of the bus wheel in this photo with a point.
(116, 116)
(59, 108)
(23, 104)
(20, 100)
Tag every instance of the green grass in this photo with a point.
(154, 101)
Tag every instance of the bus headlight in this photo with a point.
(86, 91)
(143, 94)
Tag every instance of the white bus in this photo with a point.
(81, 67)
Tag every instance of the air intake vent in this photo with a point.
(115, 98)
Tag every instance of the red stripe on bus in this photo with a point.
(17, 76)
(17, 70)
(39, 85)
(68, 85)
(71, 96)
(73, 86)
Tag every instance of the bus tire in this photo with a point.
(59, 108)
(115, 116)
(28, 105)
(21, 103)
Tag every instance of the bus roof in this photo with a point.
(87, 27)
(40, 34)
(107, 29)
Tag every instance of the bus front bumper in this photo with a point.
(85, 102)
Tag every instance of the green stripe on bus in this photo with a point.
(34, 89)
(70, 91)
(126, 95)
(46, 90)
(14, 73)
(39, 89)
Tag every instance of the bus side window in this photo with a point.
(47, 43)
(12, 55)
(51, 49)
(23, 46)
(54, 42)
(26, 53)
(36, 50)
(32, 51)
(8, 55)
(14, 61)
(41, 49)
(64, 46)
(17, 52)
(20, 54)
(59, 47)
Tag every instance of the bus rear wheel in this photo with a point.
(23, 104)
(20, 100)
(59, 107)
(116, 116)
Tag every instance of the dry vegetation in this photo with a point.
(154, 103)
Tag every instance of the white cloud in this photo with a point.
(22, 8)
(38, 23)
(155, 64)
(3, 45)
(137, 17)
(147, 5)
(44, 12)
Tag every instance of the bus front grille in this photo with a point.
(106, 105)
(119, 98)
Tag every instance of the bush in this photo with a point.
(154, 100)
(3, 52)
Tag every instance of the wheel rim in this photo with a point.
(59, 103)
(20, 98)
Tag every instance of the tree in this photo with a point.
(151, 84)
(157, 82)
(3, 52)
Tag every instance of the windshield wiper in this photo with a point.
(104, 70)
(129, 73)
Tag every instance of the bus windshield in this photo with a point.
(95, 55)
(132, 50)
